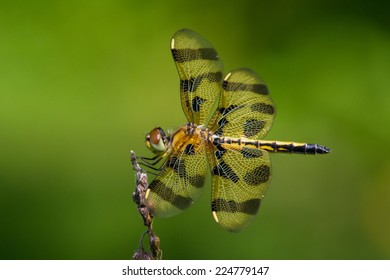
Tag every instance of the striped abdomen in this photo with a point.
(273, 146)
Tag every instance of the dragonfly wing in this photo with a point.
(240, 179)
(181, 178)
(200, 72)
(245, 108)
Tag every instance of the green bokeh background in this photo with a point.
(81, 82)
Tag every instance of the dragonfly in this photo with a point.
(227, 118)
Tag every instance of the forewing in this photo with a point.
(240, 178)
(245, 108)
(200, 72)
(181, 178)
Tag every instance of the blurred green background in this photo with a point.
(81, 82)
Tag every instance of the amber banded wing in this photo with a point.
(200, 72)
(240, 178)
(181, 178)
(245, 108)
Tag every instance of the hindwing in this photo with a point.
(240, 179)
(245, 109)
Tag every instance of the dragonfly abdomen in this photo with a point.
(293, 147)
(273, 146)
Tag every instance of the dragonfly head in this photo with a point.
(156, 140)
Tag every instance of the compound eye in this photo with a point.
(155, 136)
(155, 140)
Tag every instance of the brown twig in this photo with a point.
(139, 199)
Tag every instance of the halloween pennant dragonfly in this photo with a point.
(227, 117)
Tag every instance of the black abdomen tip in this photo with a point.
(316, 149)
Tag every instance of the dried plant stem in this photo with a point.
(139, 199)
